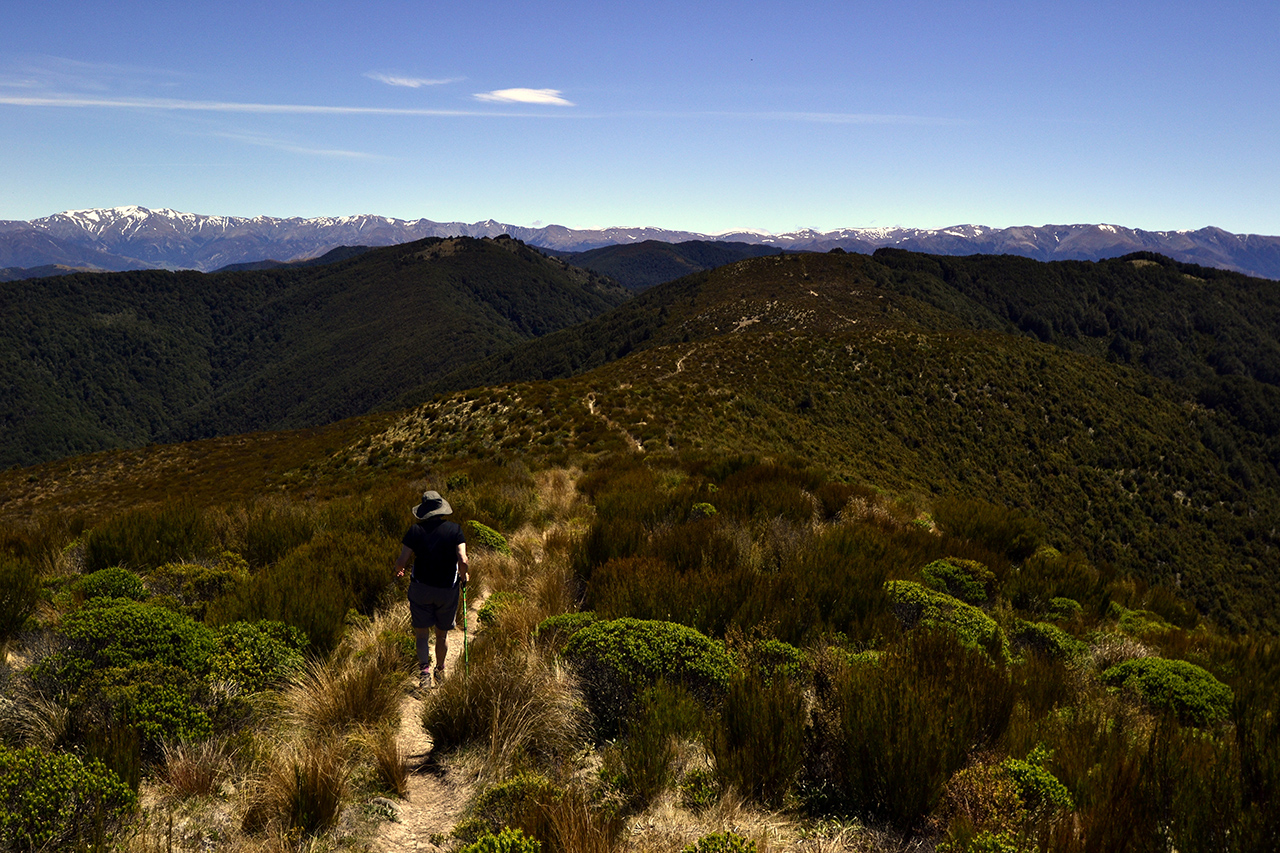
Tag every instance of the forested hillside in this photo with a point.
(814, 548)
(96, 361)
(824, 356)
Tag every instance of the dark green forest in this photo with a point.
(95, 361)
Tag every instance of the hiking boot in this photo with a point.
(424, 680)
(439, 677)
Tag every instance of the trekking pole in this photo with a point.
(466, 661)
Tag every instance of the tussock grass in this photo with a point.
(194, 769)
(299, 787)
(360, 686)
(514, 706)
(389, 759)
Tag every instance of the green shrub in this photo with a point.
(508, 803)
(190, 587)
(1139, 623)
(915, 604)
(967, 580)
(159, 701)
(19, 592)
(257, 656)
(983, 842)
(148, 537)
(1064, 609)
(1039, 789)
(507, 841)
(757, 742)
(618, 658)
(1048, 575)
(721, 842)
(115, 632)
(556, 630)
(773, 657)
(701, 510)
(1189, 692)
(699, 790)
(113, 582)
(487, 537)
(55, 802)
(1046, 639)
(495, 604)
(273, 529)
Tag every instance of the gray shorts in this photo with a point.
(432, 606)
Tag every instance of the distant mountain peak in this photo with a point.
(131, 237)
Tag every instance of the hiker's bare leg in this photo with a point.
(442, 647)
(422, 643)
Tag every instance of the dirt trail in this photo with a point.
(435, 800)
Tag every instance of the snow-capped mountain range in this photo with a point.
(122, 238)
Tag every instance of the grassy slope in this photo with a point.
(109, 360)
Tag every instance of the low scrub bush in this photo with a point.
(314, 587)
(1048, 576)
(273, 529)
(159, 701)
(555, 631)
(1064, 609)
(1039, 789)
(1046, 639)
(144, 538)
(721, 842)
(699, 790)
(257, 656)
(51, 801)
(967, 580)
(190, 587)
(662, 714)
(113, 632)
(113, 582)
(491, 611)
(617, 659)
(917, 605)
(486, 537)
(1179, 687)
(511, 802)
(507, 840)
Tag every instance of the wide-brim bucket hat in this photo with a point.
(432, 505)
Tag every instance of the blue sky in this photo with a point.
(700, 116)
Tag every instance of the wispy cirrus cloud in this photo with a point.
(293, 148)
(176, 104)
(410, 82)
(550, 97)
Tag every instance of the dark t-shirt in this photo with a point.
(434, 543)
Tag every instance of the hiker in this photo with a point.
(439, 553)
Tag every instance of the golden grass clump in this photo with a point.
(194, 769)
(389, 758)
(361, 685)
(514, 706)
(300, 787)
